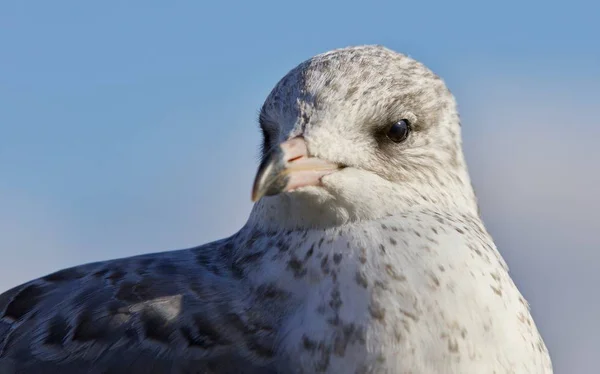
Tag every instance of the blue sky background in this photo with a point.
(130, 127)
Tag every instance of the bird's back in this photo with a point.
(175, 312)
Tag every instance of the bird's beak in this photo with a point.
(287, 167)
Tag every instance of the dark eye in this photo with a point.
(399, 131)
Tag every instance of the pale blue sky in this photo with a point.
(129, 127)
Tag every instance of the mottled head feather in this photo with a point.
(341, 102)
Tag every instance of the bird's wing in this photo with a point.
(184, 311)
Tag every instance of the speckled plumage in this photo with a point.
(385, 268)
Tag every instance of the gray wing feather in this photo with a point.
(186, 311)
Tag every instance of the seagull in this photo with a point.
(363, 253)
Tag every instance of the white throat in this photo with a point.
(352, 195)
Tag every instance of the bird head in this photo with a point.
(356, 134)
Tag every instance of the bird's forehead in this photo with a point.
(350, 80)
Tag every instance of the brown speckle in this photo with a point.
(452, 345)
(377, 311)
(323, 362)
(409, 315)
(308, 344)
(339, 346)
(363, 255)
(270, 291)
(497, 291)
(434, 279)
(361, 279)
(336, 300)
(522, 301)
(389, 269)
(310, 252)
(381, 285)
(398, 334)
(296, 267)
(283, 245)
(325, 264)
(350, 92)
(252, 257)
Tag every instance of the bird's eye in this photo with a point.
(399, 131)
